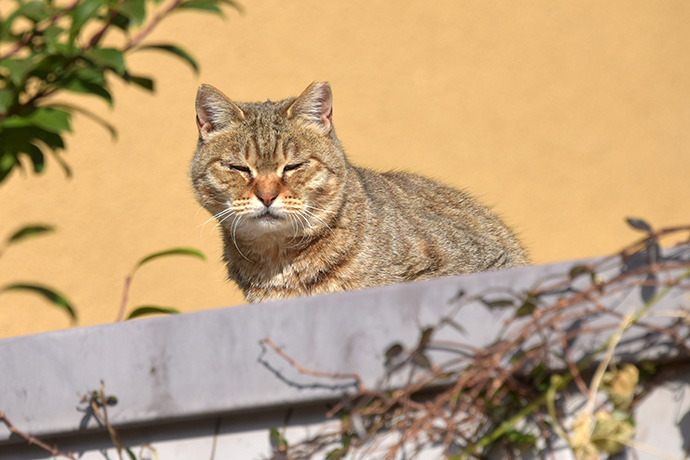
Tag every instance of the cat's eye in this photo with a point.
(292, 167)
(240, 168)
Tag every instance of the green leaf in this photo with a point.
(52, 140)
(500, 303)
(63, 164)
(425, 338)
(144, 82)
(130, 453)
(146, 310)
(52, 35)
(421, 360)
(49, 294)
(393, 352)
(171, 252)
(18, 68)
(101, 121)
(30, 231)
(85, 11)
(336, 454)
(7, 164)
(6, 24)
(523, 439)
(18, 137)
(52, 67)
(538, 374)
(176, 50)
(37, 158)
(525, 309)
(21, 133)
(14, 122)
(7, 99)
(107, 57)
(276, 439)
(87, 81)
(639, 224)
(578, 270)
(133, 9)
(202, 5)
(53, 120)
(121, 22)
(233, 4)
(34, 11)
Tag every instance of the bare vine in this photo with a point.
(560, 371)
(516, 394)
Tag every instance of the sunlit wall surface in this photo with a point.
(565, 117)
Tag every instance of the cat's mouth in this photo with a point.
(268, 218)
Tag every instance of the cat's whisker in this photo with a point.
(294, 227)
(223, 212)
(228, 213)
(203, 225)
(302, 217)
(215, 216)
(204, 203)
(316, 208)
(196, 214)
(306, 236)
(304, 222)
(314, 216)
(233, 233)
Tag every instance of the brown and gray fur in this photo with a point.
(298, 218)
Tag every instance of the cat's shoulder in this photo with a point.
(408, 182)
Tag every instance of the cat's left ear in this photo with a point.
(215, 111)
(314, 106)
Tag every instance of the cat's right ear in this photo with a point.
(215, 111)
(314, 106)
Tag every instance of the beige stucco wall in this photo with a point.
(565, 116)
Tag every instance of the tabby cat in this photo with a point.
(299, 219)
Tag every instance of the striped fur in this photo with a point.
(298, 219)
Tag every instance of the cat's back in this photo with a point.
(469, 236)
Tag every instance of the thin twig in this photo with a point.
(53, 450)
(267, 341)
(29, 36)
(143, 33)
(125, 297)
(100, 399)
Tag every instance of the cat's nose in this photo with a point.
(267, 198)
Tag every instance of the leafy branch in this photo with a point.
(152, 309)
(51, 49)
(51, 295)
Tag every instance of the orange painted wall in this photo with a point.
(566, 117)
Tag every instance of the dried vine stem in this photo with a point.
(32, 440)
(483, 397)
(96, 401)
(267, 342)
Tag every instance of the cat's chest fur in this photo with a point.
(299, 219)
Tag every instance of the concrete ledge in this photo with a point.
(200, 366)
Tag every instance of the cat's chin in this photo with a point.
(267, 223)
(268, 220)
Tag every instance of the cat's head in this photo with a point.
(270, 167)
